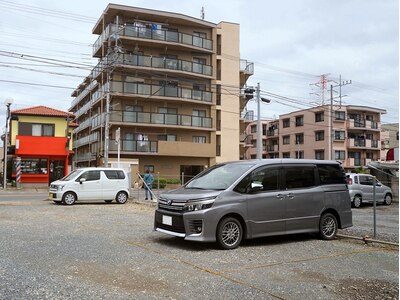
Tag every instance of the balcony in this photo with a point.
(356, 162)
(147, 90)
(134, 146)
(363, 123)
(273, 133)
(246, 70)
(160, 119)
(153, 62)
(86, 140)
(246, 140)
(164, 148)
(363, 143)
(169, 36)
(273, 148)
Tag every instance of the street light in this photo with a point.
(7, 103)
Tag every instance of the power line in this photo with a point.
(37, 84)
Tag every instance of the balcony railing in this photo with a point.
(137, 88)
(156, 62)
(86, 140)
(248, 116)
(160, 118)
(134, 146)
(246, 66)
(153, 34)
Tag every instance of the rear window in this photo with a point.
(331, 174)
(114, 174)
(298, 177)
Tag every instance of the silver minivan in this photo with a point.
(361, 189)
(255, 198)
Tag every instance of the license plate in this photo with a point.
(167, 220)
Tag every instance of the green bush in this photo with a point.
(165, 181)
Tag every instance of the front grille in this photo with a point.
(177, 223)
(170, 204)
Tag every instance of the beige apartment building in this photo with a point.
(165, 92)
(355, 138)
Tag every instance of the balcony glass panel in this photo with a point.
(197, 41)
(170, 91)
(186, 120)
(116, 87)
(128, 145)
(186, 66)
(157, 62)
(186, 93)
(131, 88)
(171, 36)
(171, 64)
(144, 89)
(197, 95)
(171, 119)
(157, 118)
(186, 39)
(143, 117)
(130, 116)
(197, 68)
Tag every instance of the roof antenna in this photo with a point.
(202, 13)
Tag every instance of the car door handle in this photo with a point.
(280, 196)
(290, 195)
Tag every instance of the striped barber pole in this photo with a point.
(18, 167)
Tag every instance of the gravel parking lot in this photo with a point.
(109, 251)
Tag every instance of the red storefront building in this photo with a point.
(41, 138)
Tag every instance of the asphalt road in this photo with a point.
(109, 251)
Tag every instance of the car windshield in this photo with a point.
(219, 177)
(71, 175)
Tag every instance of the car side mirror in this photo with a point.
(82, 180)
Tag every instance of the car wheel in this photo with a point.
(357, 201)
(121, 198)
(328, 226)
(388, 199)
(69, 198)
(229, 233)
(107, 201)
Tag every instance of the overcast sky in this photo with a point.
(290, 42)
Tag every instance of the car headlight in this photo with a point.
(199, 204)
(60, 188)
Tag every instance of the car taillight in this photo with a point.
(349, 181)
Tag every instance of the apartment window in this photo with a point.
(340, 135)
(218, 94)
(319, 116)
(299, 154)
(199, 87)
(369, 117)
(167, 110)
(167, 137)
(286, 139)
(299, 138)
(340, 115)
(199, 139)
(319, 154)
(286, 123)
(134, 108)
(253, 129)
(299, 120)
(29, 129)
(199, 113)
(340, 155)
(319, 135)
(286, 155)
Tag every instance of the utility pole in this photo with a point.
(259, 129)
(108, 96)
(331, 116)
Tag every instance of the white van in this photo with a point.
(90, 184)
